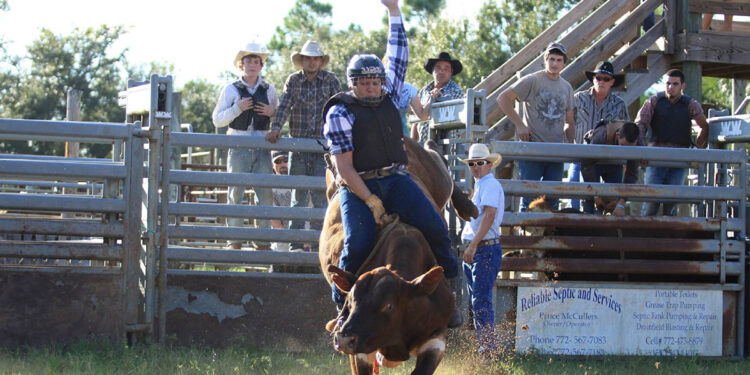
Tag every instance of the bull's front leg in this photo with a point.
(361, 364)
(429, 357)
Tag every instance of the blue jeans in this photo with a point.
(481, 277)
(307, 164)
(402, 196)
(249, 161)
(540, 171)
(663, 176)
(608, 173)
(574, 175)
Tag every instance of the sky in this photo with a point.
(200, 41)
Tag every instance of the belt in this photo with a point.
(490, 242)
(380, 173)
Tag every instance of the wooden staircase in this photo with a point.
(610, 30)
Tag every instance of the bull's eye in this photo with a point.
(388, 307)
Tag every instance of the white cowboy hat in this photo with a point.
(310, 48)
(479, 151)
(250, 49)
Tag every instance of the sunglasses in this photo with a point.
(477, 163)
(281, 160)
(603, 79)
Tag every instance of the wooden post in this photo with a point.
(738, 93)
(73, 113)
(670, 27)
(693, 78)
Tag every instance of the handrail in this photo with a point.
(577, 39)
(531, 50)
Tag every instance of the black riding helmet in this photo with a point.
(366, 66)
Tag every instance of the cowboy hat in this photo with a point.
(605, 67)
(278, 154)
(250, 49)
(456, 65)
(310, 48)
(479, 151)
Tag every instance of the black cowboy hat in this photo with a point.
(605, 67)
(456, 65)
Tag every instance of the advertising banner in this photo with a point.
(595, 321)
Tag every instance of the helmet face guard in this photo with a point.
(366, 66)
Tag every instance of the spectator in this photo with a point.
(281, 197)
(247, 106)
(594, 105)
(442, 88)
(616, 132)
(669, 114)
(548, 105)
(483, 252)
(410, 100)
(725, 27)
(305, 93)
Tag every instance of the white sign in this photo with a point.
(593, 321)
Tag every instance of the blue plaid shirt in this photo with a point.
(338, 127)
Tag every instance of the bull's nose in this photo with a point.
(345, 344)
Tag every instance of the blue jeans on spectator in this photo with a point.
(307, 164)
(540, 171)
(663, 176)
(400, 195)
(481, 276)
(611, 174)
(249, 161)
(574, 175)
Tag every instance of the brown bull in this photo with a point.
(401, 304)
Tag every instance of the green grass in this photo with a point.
(104, 358)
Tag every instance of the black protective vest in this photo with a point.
(377, 133)
(671, 122)
(243, 121)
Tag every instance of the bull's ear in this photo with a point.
(427, 282)
(342, 279)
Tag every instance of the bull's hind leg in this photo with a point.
(361, 364)
(429, 357)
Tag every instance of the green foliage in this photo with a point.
(422, 8)
(717, 92)
(198, 101)
(82, 61)
(308, 19)
(523, 20)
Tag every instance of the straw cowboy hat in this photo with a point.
(250, 49)
(456, 65)
(310, 48)
(479, 151)
(605, 67)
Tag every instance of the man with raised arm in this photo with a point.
(365, 136)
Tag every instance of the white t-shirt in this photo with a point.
(487, 193)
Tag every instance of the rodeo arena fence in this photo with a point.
(113, 248)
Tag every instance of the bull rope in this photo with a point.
(394, 220)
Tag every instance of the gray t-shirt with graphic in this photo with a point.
(545, 103)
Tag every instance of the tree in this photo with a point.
(198, 101)
(307, 19)
(523, 20)
(81, 60)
